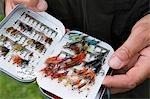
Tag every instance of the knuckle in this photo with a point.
(125, 52)
(131, 83)
(142, 30)
(138, 28)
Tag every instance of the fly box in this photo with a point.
(35, 46)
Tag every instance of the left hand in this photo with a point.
(132, 59)
(36, 5)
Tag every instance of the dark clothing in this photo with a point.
(108, 20)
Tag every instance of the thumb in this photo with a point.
(36, 5)
(137, 40)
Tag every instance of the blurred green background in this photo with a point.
(12, 89)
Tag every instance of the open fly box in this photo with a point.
(35, 46)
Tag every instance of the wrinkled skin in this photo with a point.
(131, 60)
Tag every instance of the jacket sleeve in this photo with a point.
(148, 12)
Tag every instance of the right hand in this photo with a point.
(36, 5)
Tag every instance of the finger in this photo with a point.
(8, 7)
(129, 65)
(146, 52)
(133, 77)
(36, 5)
(116, 90)
(138, 40)
(67, 30)
(116, 81)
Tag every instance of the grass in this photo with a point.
(12, 89)
(1, 17)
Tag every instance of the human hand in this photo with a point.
(132, 59)
(36, 5)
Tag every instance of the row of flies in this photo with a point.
(15, 40)
(73, 69)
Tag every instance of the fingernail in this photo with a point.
(115, 63)
(42, 5)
